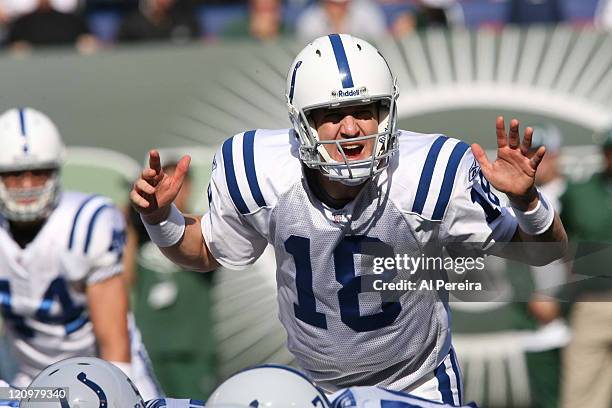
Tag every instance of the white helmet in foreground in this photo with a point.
(89, 382)
(332, 72)
(30, 142)
(269, 386)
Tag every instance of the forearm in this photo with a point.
(549, 246)
(108, 308)
(191, 251)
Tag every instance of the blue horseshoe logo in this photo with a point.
(95, 388)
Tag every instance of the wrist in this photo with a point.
(159, 216)
(537, 220)
(169, 231)
(526, 202)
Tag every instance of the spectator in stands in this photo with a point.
(13, 9)
(603, 14)
(535, 11)
(361, 18)
(587, 216)
(47, 25)
(264, 22)
(159, 20)
(183, 353)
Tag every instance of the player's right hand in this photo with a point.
(154, 191)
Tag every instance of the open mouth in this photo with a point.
(352, 151)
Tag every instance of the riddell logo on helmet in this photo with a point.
(346, 93)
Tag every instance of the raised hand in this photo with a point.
(154, 191)
(513, 172)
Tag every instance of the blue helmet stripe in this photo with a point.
(343, 65)
(428, 169)
(449, 179)
(230, 177)
(248, 152)
(292, 88)
(23, 129)
(22, 121)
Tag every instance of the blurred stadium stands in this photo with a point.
(105, 16)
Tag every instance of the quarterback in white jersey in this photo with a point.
(344, 185)
(61, 289)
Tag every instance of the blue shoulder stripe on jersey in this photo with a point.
(76, 218)
(194, 403)
(91, 225)
(341, 60)
(22, 121)
(455, 366)
(428, 169)
(444, 385)
(248, 152)
(230, 177)
(292, 87)
(449, 179)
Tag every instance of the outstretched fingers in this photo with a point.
(513, 137)
(500, 128)
(537, 157)
(526, 144)
(481, 157)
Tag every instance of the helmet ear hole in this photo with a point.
(318, 52)
(359, 46)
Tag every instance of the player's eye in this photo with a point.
(365, 114)
(333, 117)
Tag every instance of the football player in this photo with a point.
(61, 287)
(342, 185)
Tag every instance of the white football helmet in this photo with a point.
(90, 383)
(30, 141)
(269, 386)
(335, 71)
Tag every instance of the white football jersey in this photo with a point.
(430, 193)
(42, 286)
(374, 397)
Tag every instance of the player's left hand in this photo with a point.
(513, 172)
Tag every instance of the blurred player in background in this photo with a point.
(183, 353)
(61, 286)
(342, 184)
(587, 361)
